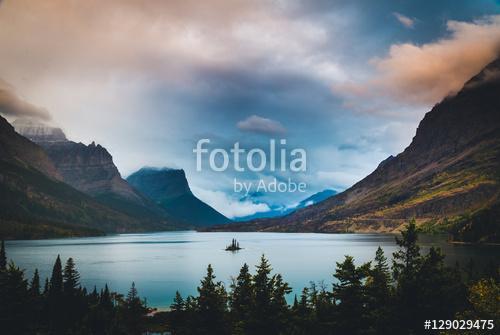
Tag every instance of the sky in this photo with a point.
(347, 81)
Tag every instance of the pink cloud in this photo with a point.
(425, 74)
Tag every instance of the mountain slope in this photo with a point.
(34, 203)
(169, 189)
(89, 169)
(448, 178)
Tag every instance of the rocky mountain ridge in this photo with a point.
(447, 179)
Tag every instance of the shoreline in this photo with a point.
(464, 243)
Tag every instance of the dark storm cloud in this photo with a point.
(12, 105)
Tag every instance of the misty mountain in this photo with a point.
(447, 178)
(276, 211)
(36, 203)
(169, 189)
(90, 169)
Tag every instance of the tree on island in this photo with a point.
(234, 246)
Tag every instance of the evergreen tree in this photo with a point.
(379, 294)
(241, 301)
(177, 315)
(178, 305)
(15, 302)
(406, 263)
(407, 259)
(302, 313)
(279, 306)
(71, 278)
(35, 285)
(263, 287)
(56, 280)
(134, 313)
(55, 303)
(3, 257)
(350, 296)
(212, 306)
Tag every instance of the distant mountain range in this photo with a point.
(447, 179)
(281, 210)
(169, 189)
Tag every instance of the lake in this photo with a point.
(161, 263)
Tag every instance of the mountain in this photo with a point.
(35, 203)
(90, 169)
(38, 132)
(282, 210)
(169, 189)
(447, 178)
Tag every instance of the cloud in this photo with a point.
(404, 20)
(12, 105)
(425, 74)
(257, 124)
(228, 206)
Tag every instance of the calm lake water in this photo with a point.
(161, 263)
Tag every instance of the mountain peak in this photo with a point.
(39, 132)
(169, 189)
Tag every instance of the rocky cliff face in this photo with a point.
(34, 203)
(448, 176)
(88, 168)
(169, 189)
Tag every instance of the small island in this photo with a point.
(234, 246)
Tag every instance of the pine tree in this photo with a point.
(241, 300)
(15, 302)
(406, 264)
(350, 296)
(55, 301)
(379, 295)
(3, 257)
(302, 314)
(263, 286)
(56, 280)
(212, 305)
(134, 312)
(178, 305)
(178, 313)
(71, 278)
(379, 277)
(35, 285)
(279, 306)
(407, 259)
